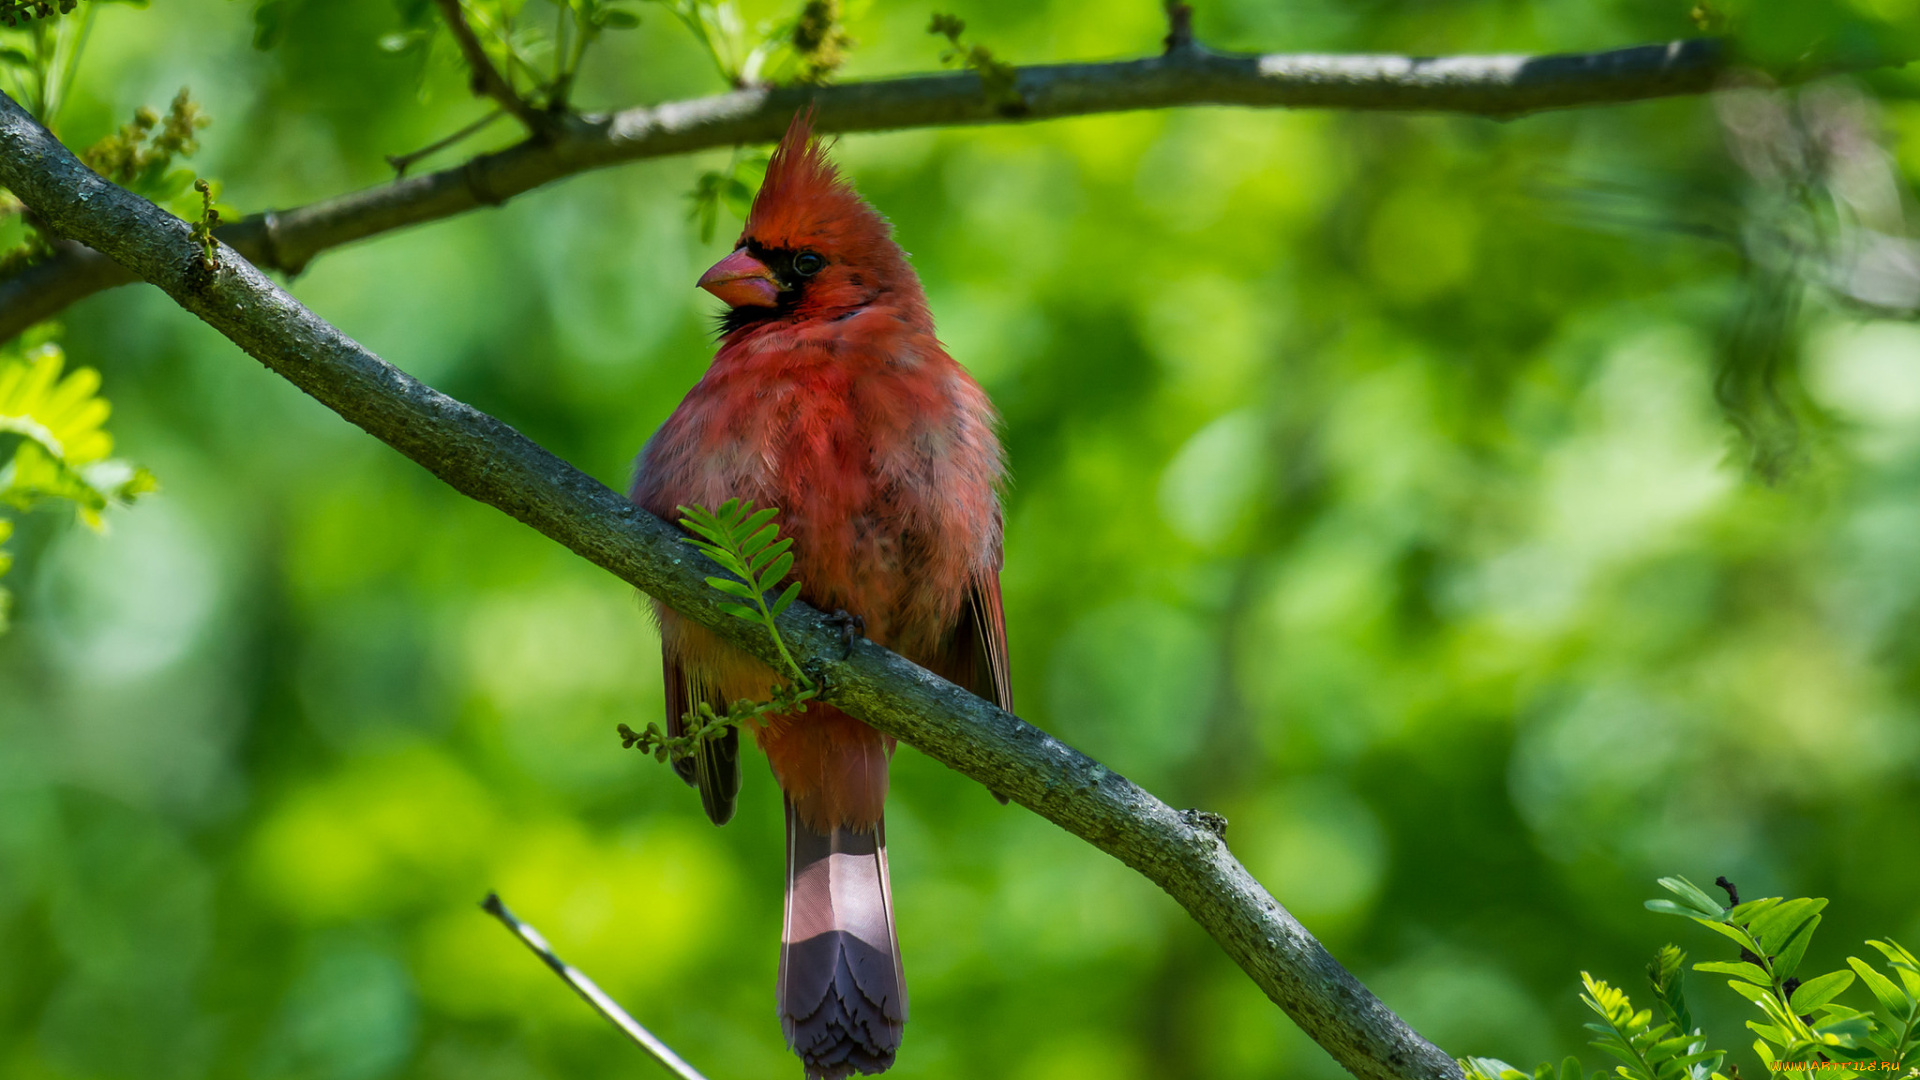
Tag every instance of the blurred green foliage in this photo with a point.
(1802, 1026)
(1370, 488)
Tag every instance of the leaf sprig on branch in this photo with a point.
(746, 544)
(704, 723)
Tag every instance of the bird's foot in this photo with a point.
(852, 627)
(1206, 819)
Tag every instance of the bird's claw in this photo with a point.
(1206, 819)
(851, 627)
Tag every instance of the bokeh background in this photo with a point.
(1370, 488)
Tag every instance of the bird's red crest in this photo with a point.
(805, 202)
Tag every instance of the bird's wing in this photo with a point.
(979, 654)
(714, 768)
(981, 641)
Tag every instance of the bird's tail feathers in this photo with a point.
(843, 1000)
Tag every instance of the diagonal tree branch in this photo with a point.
(1495, 86)
(486, 459)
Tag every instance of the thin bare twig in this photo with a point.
(402, 162)
(587, 989)
(487, 80)
(1179, 26)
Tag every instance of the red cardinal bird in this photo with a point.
(831, 399)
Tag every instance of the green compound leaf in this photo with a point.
(1664, 973)
(60, 449)
(746, 543)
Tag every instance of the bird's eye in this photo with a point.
(807, 264)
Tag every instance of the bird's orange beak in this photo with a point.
(742, 281)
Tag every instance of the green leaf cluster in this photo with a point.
(1650, 1051)
(140, 157)
(140, 154)
(60, 450)
(17, 13)
(805, 47)
(819, 41)
(1801, 1019)
(537, 47)
(40, 51)
(1670, 1049)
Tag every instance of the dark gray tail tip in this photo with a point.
(858, 1062)
(844, 1045)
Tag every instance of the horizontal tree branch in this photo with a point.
(489, 461)
(1496, 86)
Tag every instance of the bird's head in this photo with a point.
(811, 246)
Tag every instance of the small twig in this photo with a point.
(1179, 27)
(402, 162)
(203, 229)
(487, 80)
(594, 996)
